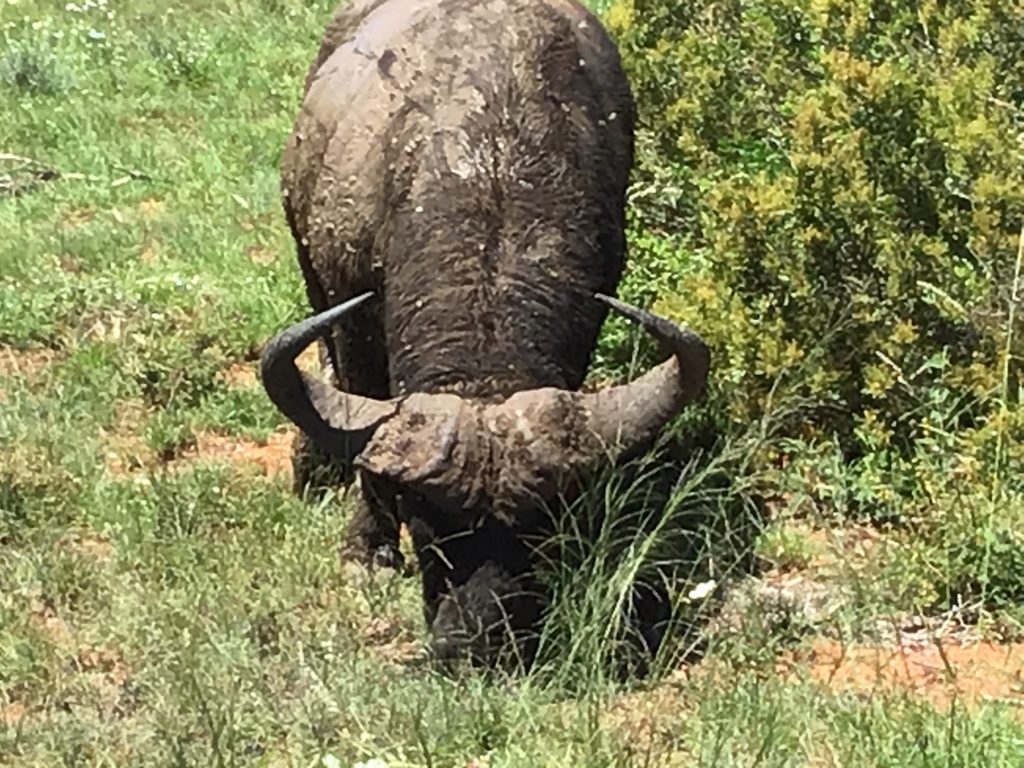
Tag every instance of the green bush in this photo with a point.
(832, 193)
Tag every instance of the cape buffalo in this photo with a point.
(455, 183)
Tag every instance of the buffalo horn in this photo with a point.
(629, 417)
(339, 422)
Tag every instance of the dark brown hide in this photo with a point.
(467, 162)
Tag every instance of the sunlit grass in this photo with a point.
(165, 610)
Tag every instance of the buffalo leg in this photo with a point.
(372, 535)
(356, 362)
(371, 538)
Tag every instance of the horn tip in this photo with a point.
(675, 336)
(281, 351)
(642, 317)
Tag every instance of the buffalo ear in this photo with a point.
(428, 447)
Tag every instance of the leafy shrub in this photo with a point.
(834, 188)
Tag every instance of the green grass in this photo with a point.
(194, 612)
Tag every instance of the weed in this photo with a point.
(184, 58)
(35, 69)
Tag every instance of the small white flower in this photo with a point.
(95, 34)
(702, 590)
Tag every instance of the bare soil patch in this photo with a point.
(26, 363)
(965, 670)
(150, 208)
(939, 660)
(123, 450)
(260, 254)
(149, 254)
(78, 217)
(938, 670)
(239, 375)
(649, 720)
(127, 453)
(13, 713)
(272, 457)
(87, 543)
(48, 623)
(392, 641)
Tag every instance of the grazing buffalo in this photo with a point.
(455, 183)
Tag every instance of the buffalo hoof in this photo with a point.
(388, 556)
(383, 557)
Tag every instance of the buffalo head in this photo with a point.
(486, 464)
(466, 454)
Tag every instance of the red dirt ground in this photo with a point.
(24, 362)
(940, 670)
(272, 457)
(245, 374)
(126, 452)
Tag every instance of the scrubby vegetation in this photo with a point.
(831, 191)
(837, 184)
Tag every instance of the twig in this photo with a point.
(1003, 103)
(81, 176)
(1007, 355)
(10, 186)
(133, 174)
(39, 171)
(947, 666)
